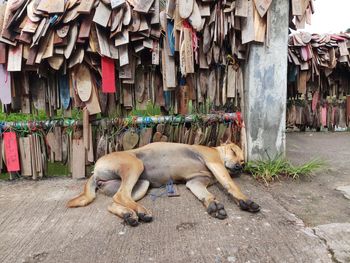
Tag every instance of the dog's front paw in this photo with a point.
(145, 217)
(249, 206)
(130, 219)
(216, 210)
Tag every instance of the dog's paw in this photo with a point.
(130, 220)
(216, 210)
(249, 206)
(145, 217)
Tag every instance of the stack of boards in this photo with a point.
(110, 55)
(28, 153)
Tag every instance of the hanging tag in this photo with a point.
(108, 75)
(11, 152)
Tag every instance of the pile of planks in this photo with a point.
(319, 80)
(28, 150)
(111, 54)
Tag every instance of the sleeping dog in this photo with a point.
(127, 176)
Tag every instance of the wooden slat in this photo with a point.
(242, 8)
(14, 61)
(78, 159)
(102, 14)
(86, 6)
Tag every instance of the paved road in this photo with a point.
(35, 226)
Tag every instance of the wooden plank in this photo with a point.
(78, 159)
(122, 38)
(262, 6)
(93, 105)
(259, 27)
(72, 37)
(51, 7)
(231, 82)
(189, 58)
(142, 6)
(85, 27)
(117, 3)
(3, 53)
(103, 42)
(185, 8)
(248, 32)
(168, 65)
(155, 14)
(85, 6)
(14, 61)
(123, 55)
(242, 8)
(102, 15)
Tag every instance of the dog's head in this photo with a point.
(232, 157)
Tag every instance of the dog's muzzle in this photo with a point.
(234, 168)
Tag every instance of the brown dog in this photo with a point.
(127, 176)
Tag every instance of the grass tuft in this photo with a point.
(272, 169)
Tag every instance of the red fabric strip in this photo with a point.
(11, 152)
(108, 75)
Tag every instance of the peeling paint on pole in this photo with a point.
(266, 88)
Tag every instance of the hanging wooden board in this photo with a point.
(142, 6)
(248, 32)
(130, 139)
(195, 18)
(58, 139)
(25, 156)
(102, 15)
(189, 58)
(83, 82)
(185, 8)
(72, 37)
(168, 64)
(242, 8)
(85, 6)
(93, 104)
(231, 82)
(38, 93)
(262, 6)
(5, 86)
(78, 159)
(51, 7)
(14, 60)
(145, 136)
(155, 14)
(85, 27)
(117, 3)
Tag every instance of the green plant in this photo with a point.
(272, 168)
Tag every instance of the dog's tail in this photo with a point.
(85, 197)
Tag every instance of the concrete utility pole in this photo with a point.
(266, 88)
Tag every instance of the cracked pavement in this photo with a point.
(301, 221)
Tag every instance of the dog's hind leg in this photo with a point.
(129, 215)
(129, 169)
(87, 196)
(198, 186)
(110, 188)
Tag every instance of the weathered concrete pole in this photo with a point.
(266, 88)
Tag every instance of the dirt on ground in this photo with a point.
(300, 221)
